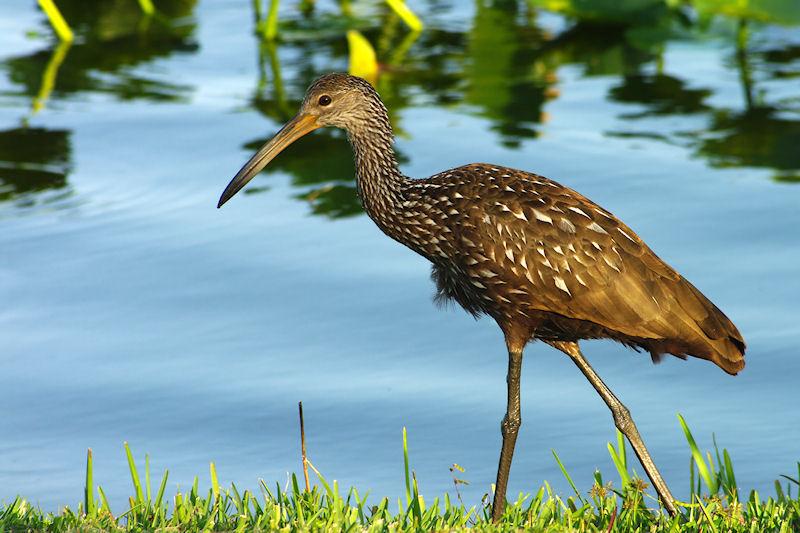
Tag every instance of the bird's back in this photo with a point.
(529, 251)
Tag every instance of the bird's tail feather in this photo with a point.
(724, 345)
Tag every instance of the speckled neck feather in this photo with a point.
(378, 177)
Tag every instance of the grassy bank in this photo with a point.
(716, 504)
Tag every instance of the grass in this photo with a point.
(714, 506)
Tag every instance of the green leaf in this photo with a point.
(567, 476)
(214, 481)
(405, 467)
(137, 486)
(88, 498)
(619, 462)
(702, 468)
(147, 476)
(161, 487)
(103, 500)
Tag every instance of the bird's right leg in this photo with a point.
(623, 421)
(510, 429)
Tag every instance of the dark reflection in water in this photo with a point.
(504, 67)
(111, 39)
(505, 77)
(757, 137)
(326, 176)
(32, 160)
(661, 93)
(762, 134)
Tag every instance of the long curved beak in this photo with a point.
(290, 132)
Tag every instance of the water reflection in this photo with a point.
(503, 66)
(660, 94)
(33, 160)
(327, 176)
(755, 137)
(112, 39)
(761, 134)
(505, 76)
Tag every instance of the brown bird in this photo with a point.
(542, 260)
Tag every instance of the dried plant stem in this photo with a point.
(611, 522)
(303, 446)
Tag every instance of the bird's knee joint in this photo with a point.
(510, 425)
(622, 417)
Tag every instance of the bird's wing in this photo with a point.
(548, 247)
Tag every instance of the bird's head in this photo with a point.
(338, 100)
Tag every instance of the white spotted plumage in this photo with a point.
(533, 254)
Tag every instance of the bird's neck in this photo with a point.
(390, 198)
(378, 177)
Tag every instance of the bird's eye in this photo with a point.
(324, 100)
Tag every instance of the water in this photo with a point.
(134, 310)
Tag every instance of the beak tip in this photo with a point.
(291, 131)
(226, 195)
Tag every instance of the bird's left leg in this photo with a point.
(623, 421)
(510, 429)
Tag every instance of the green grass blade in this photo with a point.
(137, 486)
(567, 476)
(416, 502)
(161, 488)
(406, 468)
(324, 508)
(88, 497)
(147, 477)
(620, 465)
(328, 490)
(214, 481)
(705, 513)
(791, 479)
(779, 492)
(103, 500)
(732, 487)
(702, 468)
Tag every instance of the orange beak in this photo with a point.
(300, 125)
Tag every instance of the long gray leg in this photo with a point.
(510, 429)
(624, 422)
